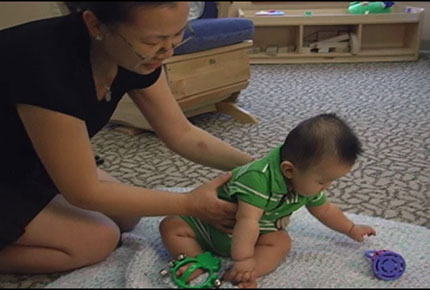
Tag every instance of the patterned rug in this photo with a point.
(387, 104)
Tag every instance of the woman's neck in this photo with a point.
(104, 70)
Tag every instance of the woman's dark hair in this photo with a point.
(115, 11)
(322, 135)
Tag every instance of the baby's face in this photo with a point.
(319, 177)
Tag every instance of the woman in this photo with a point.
(62, 79)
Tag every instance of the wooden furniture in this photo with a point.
(374, 37)
(201, 82)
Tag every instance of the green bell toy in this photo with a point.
(204, 261)
(370, 7)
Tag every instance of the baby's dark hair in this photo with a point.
(113, 12)
(320, 136)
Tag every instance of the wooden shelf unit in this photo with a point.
(377, 37)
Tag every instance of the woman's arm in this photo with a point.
(61, 142)
(162, 111)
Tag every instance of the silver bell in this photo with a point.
(164, 272)
(217, 283)
(171, 263)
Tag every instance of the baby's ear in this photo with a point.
(288, 169)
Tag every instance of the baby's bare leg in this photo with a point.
(270, 250)
(179, 238)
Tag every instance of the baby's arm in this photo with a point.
(245, 235)
(334, 218)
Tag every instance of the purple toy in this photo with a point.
(387, 265)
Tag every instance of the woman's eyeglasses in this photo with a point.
(189, 31)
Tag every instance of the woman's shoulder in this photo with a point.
(51, 41)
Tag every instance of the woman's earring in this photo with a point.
(99, 37)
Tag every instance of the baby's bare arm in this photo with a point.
(244, 239)
(330, 215)
(245, 232)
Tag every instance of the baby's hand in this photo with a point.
(357, 232)
(242, 271)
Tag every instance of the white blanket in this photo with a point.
(320, 258)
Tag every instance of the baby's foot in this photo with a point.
(194, 275)
(245, 281)
(248, 284)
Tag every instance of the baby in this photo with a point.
(297, 173)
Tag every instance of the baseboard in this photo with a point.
(425, 46)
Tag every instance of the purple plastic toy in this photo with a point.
(387, 265)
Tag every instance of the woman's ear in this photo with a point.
(93, 24)
(287, 169)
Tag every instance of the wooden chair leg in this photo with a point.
(233, 97)
(236, 112)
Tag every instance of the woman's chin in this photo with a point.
(145, 69)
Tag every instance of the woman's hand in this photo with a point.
(205, 205)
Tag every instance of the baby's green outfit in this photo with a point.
(259, 183)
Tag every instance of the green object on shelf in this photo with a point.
(370, 7)
(204, 261)
(308, 13)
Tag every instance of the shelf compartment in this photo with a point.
(277, 36)
(315, 33)
(389, 36)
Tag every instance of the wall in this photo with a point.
(13, 13)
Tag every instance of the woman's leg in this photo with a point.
(61, 237)
(64, 237)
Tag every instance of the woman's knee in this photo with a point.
(104, 239)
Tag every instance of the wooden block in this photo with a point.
(322, 35)
(305, 50)
(283, 49)
(338, 38)
(255, 49)
(323, 50)
(353, 42)
(272, 50)
(332, 44)
(341, 49)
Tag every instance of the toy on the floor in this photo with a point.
(204, 261)
(366, 7)
(387, 265)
